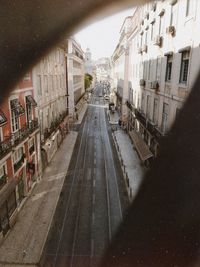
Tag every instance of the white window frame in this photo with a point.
(15, 121)
(185, 56)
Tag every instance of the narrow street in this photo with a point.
(93, 199)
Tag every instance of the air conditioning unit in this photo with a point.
(157, 40)
(142, 82)
(140, 50)
(170, 30)
(154, 85)
(144, 48)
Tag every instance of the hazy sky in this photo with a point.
(102, 36)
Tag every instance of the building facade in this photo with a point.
(163, 64)
(51, 95)
(75, 73)
(19, 150)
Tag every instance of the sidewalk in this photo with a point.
(132, 168)
(25, 242)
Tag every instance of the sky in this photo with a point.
(102, 36)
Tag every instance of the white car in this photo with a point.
(106, 97)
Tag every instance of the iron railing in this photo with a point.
(17, 137)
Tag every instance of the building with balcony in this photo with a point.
(19, 150)
(163, 64)
(75, 73)
(50, 84)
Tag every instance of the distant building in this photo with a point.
(75, 73)
(19, 150)
(103, 69)
(88, 62)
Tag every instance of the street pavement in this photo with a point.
(24, 243)
(133, 170)
(94, 198)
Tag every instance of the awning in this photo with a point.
(2, 117)
(7, 190)
(140, 145)
(31, 101)
(185, 49)
(167, 54)
(16, 107)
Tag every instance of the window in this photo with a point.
(152, 30)
(14, 115)
(189, 7)
(164, 117)
(169, 68)
(174, 13)
(31, 145)
(146, 37)
(142, 104)
(39, 87)
(2, 117)
(155, 111)
(3, 176)
(18, 158)
(158, 68)
(184, 67)
(28, 111)
(148, 106)
(161, 25)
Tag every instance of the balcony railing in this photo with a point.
(17, 137)
(130, 106)
(20, 135)
(141, 117)
(5, 147)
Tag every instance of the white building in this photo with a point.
(75, 73)
(88, 62)
(163, 61)
(49, 79)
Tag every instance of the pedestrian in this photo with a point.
(77, 116)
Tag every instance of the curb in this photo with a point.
(123, 168)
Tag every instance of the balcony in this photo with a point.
(5, 147)
(158, 133)
(151, 127)
(141, 117)
(17, 137)
(20, 135)
(130, 106)
(33, 125)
